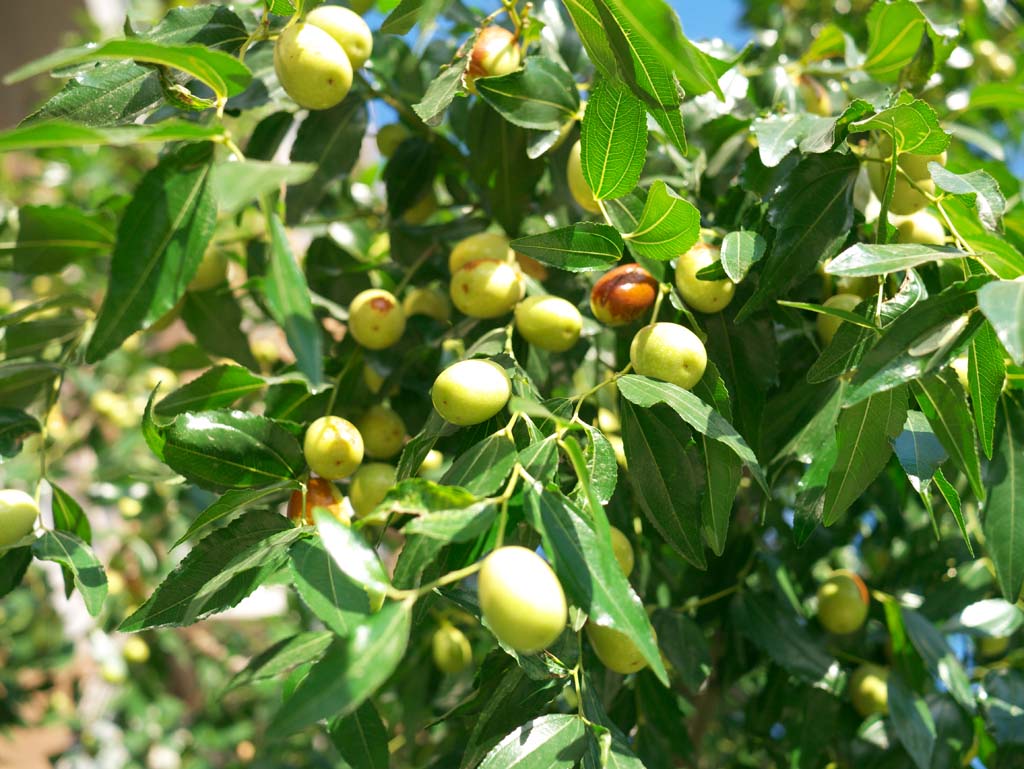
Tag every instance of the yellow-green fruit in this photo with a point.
(921, 227)
(383, 432)
(482, 245)
(960, 366)
(906, 198)
(210, 273)
(615, 650)
(619, 448)
(702, 295)
(549, 322)
(578, 186)
(431, 463)
(333, 447)
(432, 302)
(843, 603)
(521, 599)
(471, 391)
(623, 551)
(485, 288)
(18, 513)
(862, 287)
(452, 652)
(869, 690)
(669, 352)
(829, 324)
(993, 647)
(311, 67)
(390, 136)
(421, 210)
(495, 52)
(135, 650)
(608, 421)
(1003, 66)
(347, 28)
(376, 319)
(370, 485)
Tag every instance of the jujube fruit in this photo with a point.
(486, 288)
(320, 492)
(471, 391)
(578, 187)
(347, 28)
(623, 551)
(623, 294)
(495, 52)
(669, 352)
(906, 199)
(482, 245)
(422, 209)
(921, 227)
(548, 322)
(703, 295)
(211, 272)
(370, 484)
(961, 367)
(376, 319)
(843, 603)
(993, 646)
(615, 650)
(312, 67)
(383, 432)
(451, 650)
(333, 447)
(521, 599)
(869, 690)
(431, 302)
(390, 136)
(18, 513)
(829, 324)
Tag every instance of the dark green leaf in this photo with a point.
(454, 525)
(361, 738)
(912, 721)
(1004, 697)
(233, 501)
(351, 554)
(582, 247)
(986, 372)
(940, 659)
(723, 469)
(78, 558)
(282, 657)
(555, 741)
(15, 426)
(341, 604)
(1004, 507)
(483, 468)
(215, 318)
(218, 387)
(541, 95)
(944, 402)
(1002, 302)
(51, 238)
(684, 644)
(918, 450)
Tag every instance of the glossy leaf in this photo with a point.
(361, 738)
(740, 251)
(944, 403)
(582, 247)
(894, 37)
(541, 95)
(986, 373)
(1004, 693)
(351, 554)
(918, 450)
(482, 469)
(912, 124)
(990, 618)
(668, 227)
(866, 259)
(554, 741)
(282, 657)
(15, 426)
(980, 190)
(217, 387)
(233, 501)
(1002, 302)
(614, 140)
(938, 657)
(78, 558)
(337, 601)
(1003, 516)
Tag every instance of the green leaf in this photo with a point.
(541, 95)
(586, 567)
(555, 741)
(602, 466)
(977, 188)
(15, 426)
(722, 468)
(668, 227)
(78, 558)
(232, 501)
(911, 721)
(407, 13)
(351, 554)
(944, 402)
(614, 140)
(50, 238)
(812, 214)
(64, 134)
(700, 416)
(226, 449)
(912, 124)
(949, 493)
(460, 525)
(216, 388)
(221, 570)
(989, 618)
(582, 247)
(1003, 517)
(223, 73)
(483, 468)
(685, 646)
(941, 661)
(587, 20)
(864, 433)
(282, 657)
(664, 479)
(442, 90)
(740, 251)
(986, 372)
(338, 602)
(289, 302)
(866, 259)
(361, 738)
(352, 670)
(418, 496)
(895, 32)
(1004, 693)
(214, 318)
(13, 565)
(778, 135)
(918, 450)
(1002, 302)
(68, 516)
(160, 243)
(22, 383)
(1001, 96)
(235, 184)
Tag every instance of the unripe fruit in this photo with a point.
(702, 295)
(615, 650)
(18, 513)
(549, 322)
(531, 267)
(989, 647)
(521, 599)
(333, 447)
(421, 210)
(210, 273)
(311, 67)
(843, 603)
(482, 245)
(619, 448)
(496, 52)
(815, 96)
(452, 652)
(376, 319)
(869, 690)
(623, 294)
(135, 650)
(383, 432)
(921, 227)
(370, 485)
(829, 324)
(471, 391)
(608, 421)
(390, 136)
(431, 463)
(319, 493)
(431, 302)
(347, 28)
(960, 365)
(669, 352)
(578, 187)
(486, 289)
(623, 551)
(906, 199)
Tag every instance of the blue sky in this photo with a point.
(711, 18)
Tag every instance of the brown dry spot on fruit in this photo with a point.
(381, 304)
(623, 294)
